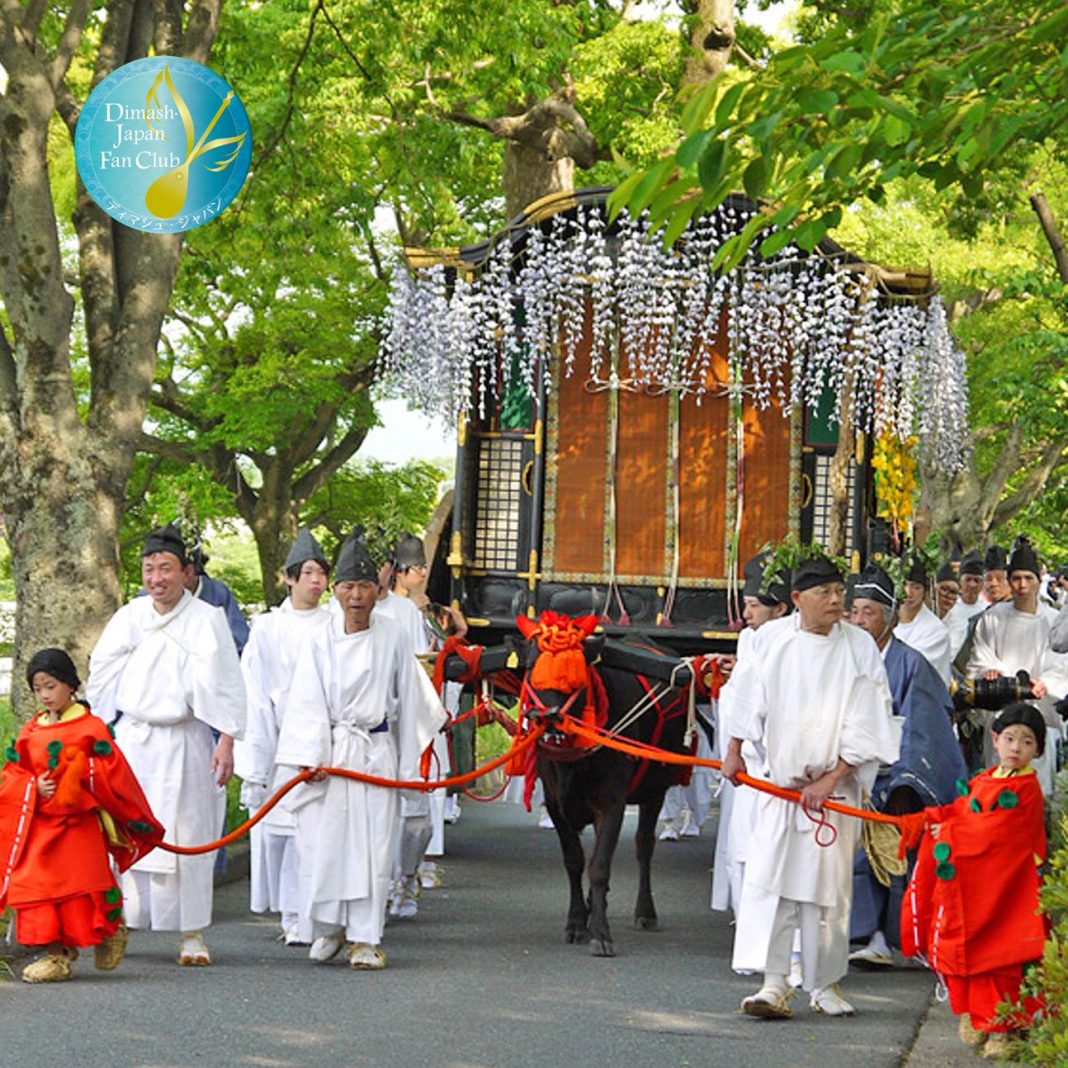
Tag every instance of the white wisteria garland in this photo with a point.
(797, 325)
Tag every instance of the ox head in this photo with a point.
(557, 658)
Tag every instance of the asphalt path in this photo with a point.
(481, 977)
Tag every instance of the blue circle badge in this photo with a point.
(163, 144)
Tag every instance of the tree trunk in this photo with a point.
(275, 531)
(542, 147)
(967, 507)
(712, 41)
(63, 472)
(63, 532)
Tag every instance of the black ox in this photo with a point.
(589, 678)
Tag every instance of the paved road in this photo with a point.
(480, 978)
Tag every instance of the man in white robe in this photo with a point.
(919, 627)
(1013, 636)
(737, 805)
(968, 604)
(267, 666)
(814, 694)
(423, 816)
(358, 700)
(166, 672)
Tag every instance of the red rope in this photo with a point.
(518, 745)
(911, 826)
(904, 823)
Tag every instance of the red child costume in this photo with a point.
(54, 867)
(972, 905)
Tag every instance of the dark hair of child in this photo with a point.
(1027, 716)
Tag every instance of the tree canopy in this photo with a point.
(916, 132)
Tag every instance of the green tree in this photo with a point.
(968, 99)
(267, 360)
(64, 464)
(1008, 311)
(873, 92)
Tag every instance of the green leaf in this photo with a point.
(789, 58)
(725, 107)
(863, 98)
(844, 160)
(680, 219)
(760, 129)
(620, 196)
(809, 233)
(698, 106)
(817, 101)
(892, 107)
(785, 215)
(669, 196)
(851, 62)
(967, 151)
(689, 152)
(895, 131)
(710, 165)
(774, 242)
(732, 251)
(755, 177)
(649, 183)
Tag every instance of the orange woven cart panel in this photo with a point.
(703, 474)
(766, 490)
(641, 485)
(581, 471)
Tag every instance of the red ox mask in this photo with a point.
(562, 664)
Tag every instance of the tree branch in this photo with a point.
(1053, 234)
(311, 480)
(167, 397)
(68, 41)
(180, 451)
(465, 119)
(201, 27)
(1054, 454)
(35, 11)
(167, 33)
(993, 486)
(268, 151)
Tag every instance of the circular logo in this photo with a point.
(163, 144)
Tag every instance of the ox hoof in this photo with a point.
(646, 923)
(577, 936)
(602, 947)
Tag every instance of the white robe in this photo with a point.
(737, 804)
(344, 686)
(403, 611)
(956, 622)
(927, 634)
(169, 680)
(1058, 636)
(267, 666)
(1007, 641)
(809, 700)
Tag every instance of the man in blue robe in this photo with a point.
(215, 592)
(925, 773)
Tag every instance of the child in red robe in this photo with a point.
(972, 904)
(68, 799)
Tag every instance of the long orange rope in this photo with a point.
(648, 752)
(519, 745)
(911, 826)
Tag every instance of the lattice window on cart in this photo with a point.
(500, 469)
(821, 503)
